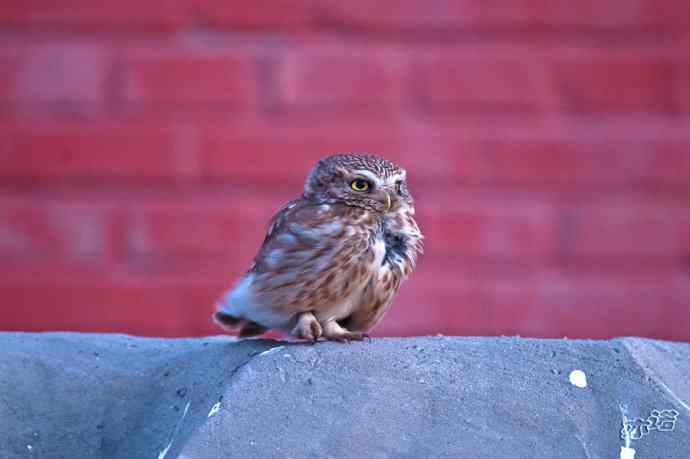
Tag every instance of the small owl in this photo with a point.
(333, 259)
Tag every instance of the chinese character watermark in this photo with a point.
(659, 420)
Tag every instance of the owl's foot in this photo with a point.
(307, 327)
(332, 331)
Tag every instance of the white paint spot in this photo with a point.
(29, 447)
(578, 378)
(214, 410)
(627, 453)
(273, 349)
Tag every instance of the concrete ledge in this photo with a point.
(76, 395)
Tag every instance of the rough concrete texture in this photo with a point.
(90, 396)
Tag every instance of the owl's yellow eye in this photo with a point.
(359, 185)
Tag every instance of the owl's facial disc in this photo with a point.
(384, 197)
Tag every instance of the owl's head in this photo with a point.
(364, 181)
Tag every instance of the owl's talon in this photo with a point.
(335, 332)
(307, 327)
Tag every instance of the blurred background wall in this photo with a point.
(145, 144)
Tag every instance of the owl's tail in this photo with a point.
(226, 321)
(231, 323)
(230, 318)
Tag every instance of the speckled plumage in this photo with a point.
(333, 259)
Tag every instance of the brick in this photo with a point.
(341, 79)
(257, 14)
(399, 14)
(614, 85)
(570, 162)
(66, 151)
(172, 79)
(202, 228)
(85, 14)
(103, 307)
(9, 67)
(148, 302)
(465, 298)
(138, 302)
(603, 306)
(548, 301)
(138, 307)
(522, 156)
(72, 74)
(263, 160)
(488, 225)
(34, 230)
(474, 83)
(626, 228)
(388, 14)
(507, 15)
(669, 163)
(405, 318)
(271, 154)
(157, 14)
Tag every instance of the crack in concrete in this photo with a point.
(630, 349)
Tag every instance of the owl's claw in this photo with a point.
(358, 336)
(334, 332)
(341, 339)
(307, 327)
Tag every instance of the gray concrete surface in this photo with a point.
(92, 396)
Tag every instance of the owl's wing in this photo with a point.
(296, 232)
(312, 256)
(281, 216)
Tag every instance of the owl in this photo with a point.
(333, 259)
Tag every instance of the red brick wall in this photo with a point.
(144, 145)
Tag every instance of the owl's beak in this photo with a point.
(386, 198)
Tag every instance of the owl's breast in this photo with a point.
(396, 244)
(403, 240)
